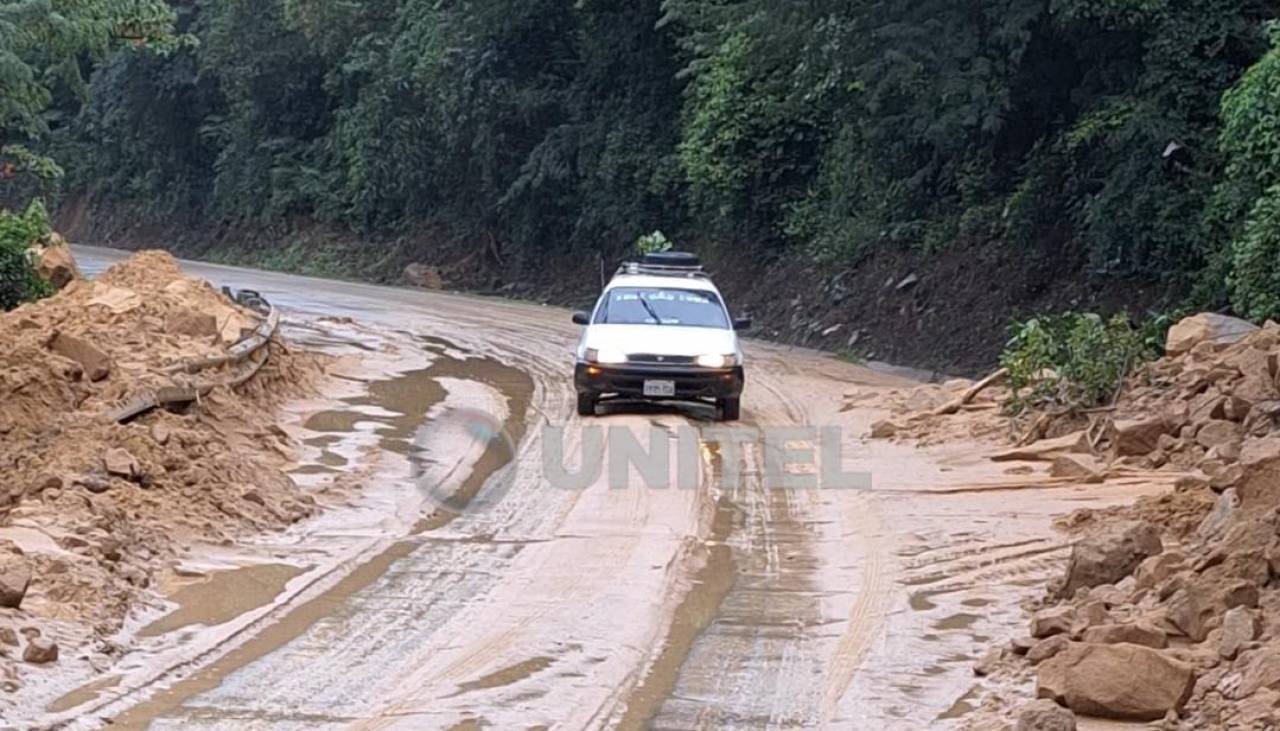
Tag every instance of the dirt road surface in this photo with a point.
(527, 606)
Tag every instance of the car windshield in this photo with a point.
(659, 306)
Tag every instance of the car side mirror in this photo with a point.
(581, 318)
(742, 323)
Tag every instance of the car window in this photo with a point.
(653, 306)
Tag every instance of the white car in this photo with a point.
(660, 332)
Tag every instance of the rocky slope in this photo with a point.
(1168, 610)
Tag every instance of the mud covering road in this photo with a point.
(469, 594)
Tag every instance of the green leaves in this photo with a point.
(1072, 361)
(19, 281)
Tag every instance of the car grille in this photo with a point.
(661, 359)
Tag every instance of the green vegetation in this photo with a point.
(1136, 139)
(19, 281)
(1072, 361)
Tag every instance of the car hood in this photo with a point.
(660, 340)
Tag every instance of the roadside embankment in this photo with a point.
(98, 494)
(1166, 610)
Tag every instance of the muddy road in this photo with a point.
(461, 590)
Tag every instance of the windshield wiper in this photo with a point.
(649, 308)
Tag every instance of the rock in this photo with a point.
(1136, 438)
(1206, 327)
(1219, 433)
(910, 280)
(1045, 715)
(1239, 627)
(1047, 648)
(1259, 669)
(884, 429)
(1260, 486)
(95, 363)
(161, 433)
(1053, 621)
(122, 464)
(56, 264)
(1153, 572)
(93, 483)
(422, 275)
(191, 323)
(1258, 711)
(1021, 644)
(989, 662)
(40, 651)
(1123, 682)
(15, 579)
(1207, 406)
(1187, 612)
(8, 636)
(1254, 389)
(1225, 508)
(1110, 555)
(1138, 633)
(1076, 467)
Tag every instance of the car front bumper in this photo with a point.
(628, 380)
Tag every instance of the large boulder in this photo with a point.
(1260, 487)
(1239, 628)
(1136, 633)
(1110, 555)
(1206, 327)
(1123, 682)
(1045, 715)
(15, 578)
(95, 363)
(192, 323)
(1138, 437)
(55, 263)
(40, 651)
(422, 275)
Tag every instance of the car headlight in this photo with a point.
(717, 361)
(605, 357)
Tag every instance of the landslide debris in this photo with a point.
(91, 509)
(1167, 610)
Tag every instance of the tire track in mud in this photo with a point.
(768, 653)
(292, 619)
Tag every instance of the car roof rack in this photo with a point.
(666, 264)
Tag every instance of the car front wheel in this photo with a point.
(587, 403)
(729, 409)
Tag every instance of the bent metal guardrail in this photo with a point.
(247, 355)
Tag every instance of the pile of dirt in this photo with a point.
(1169, 610)
(91, 509)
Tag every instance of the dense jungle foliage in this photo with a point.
(1144, 133)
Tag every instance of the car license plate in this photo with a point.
(660, 388)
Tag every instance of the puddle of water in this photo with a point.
(408, 399)
(83, 694)
(963, 706)
(956, 622)
(507, 676)
(222, 596)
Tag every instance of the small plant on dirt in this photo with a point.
(1072, 361)
(19, 281)
(654, 243)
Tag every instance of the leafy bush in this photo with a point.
(19, 281)
(1073, 360)
(1255, 277)
(654, 243)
